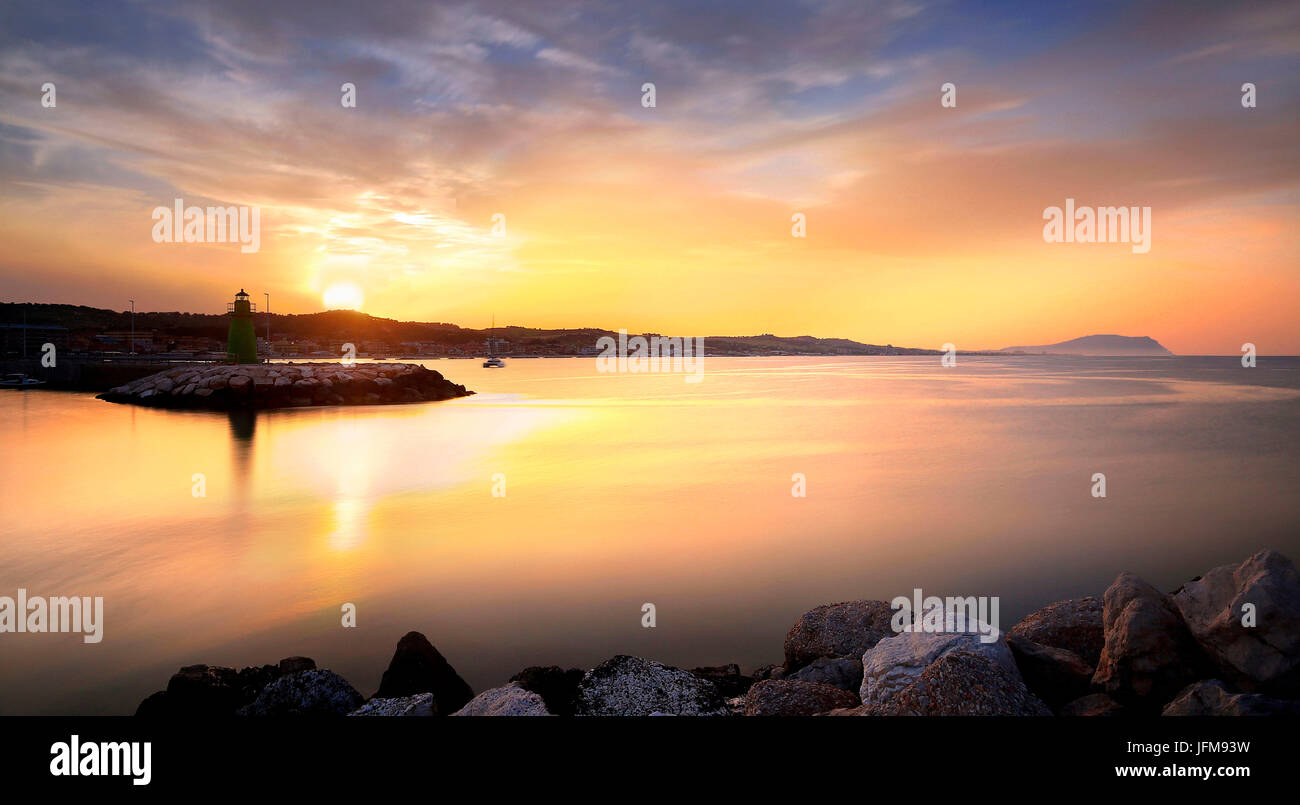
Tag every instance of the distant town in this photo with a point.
(108, 334)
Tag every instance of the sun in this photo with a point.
(343, 296)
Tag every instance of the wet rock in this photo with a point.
(206, 691)
(1266, 656)
(844, 673)
(417, 667)
(557, 686)
(1074, 625)
(282, 385)
(787, 697)
(421, 704)
(631, 686)
(896, 663)
(1054, 675)
(1094, 704)
(1149, 654)
(845, 629)
(731, 683)
(508, 700)
(305, 693)
(963, 683)
(1212, 698)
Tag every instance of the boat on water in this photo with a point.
(493, 362)
(17, 380)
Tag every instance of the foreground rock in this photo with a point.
(421, 704)
(1055, 675)
(207, 691)
(557, 686)
(1074, 625)
(844, 673)
(631, 686)
(1094, 704)
(305, 693)
(787, 697)
(285, 385)
(963, 683)
(896, 663)
(846, 629)
(1212, 698)
(1149, 654)
(509, 700)
(417, 667)
(1264, 656)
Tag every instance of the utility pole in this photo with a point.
(268, 323)
(132, 301)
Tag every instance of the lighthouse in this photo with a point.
(241, 347)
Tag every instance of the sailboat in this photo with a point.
(493, 362)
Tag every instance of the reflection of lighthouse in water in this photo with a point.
(241, 347)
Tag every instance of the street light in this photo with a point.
(268, 323)
(132, 301)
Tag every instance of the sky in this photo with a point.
(501, 160)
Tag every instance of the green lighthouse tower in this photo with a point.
(241, 347)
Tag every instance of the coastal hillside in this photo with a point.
(1099, 345)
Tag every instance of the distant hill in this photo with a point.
(1099, 345)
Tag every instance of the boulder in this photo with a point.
(844, 673)
(1074, 625)
(787, 697)
(896, 663)
(508, 700)
(1149, 655)
(206, 691)
(557, 687)
(421, 704)
(1055, 675)
(1265, 656)
(1211, 697)
(846, 629)
(768, 672)
(417, 667)
(631, 686)
(963, 683)
(305, 693)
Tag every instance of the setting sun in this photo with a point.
(343, 296)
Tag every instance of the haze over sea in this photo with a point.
(622, 489)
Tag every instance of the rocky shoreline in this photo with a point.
(1133, 652)
(286, 385)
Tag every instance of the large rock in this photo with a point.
(896, 663)
(205, 691)
(846, 629)
(1212, 698)
(421, 704)
(1054, 675)
(305, 693)
(1149, 654)
(963, 683)
(844, 673)
(508, 700)
(787, 697)
(417, 667)
(631, 686)
(1074, 625)
(557, 686)
(1265, 656)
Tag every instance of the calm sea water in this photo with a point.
(621, 490)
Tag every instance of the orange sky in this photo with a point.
(924, 223)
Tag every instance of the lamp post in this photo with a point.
(132, 301)
(268, 323)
